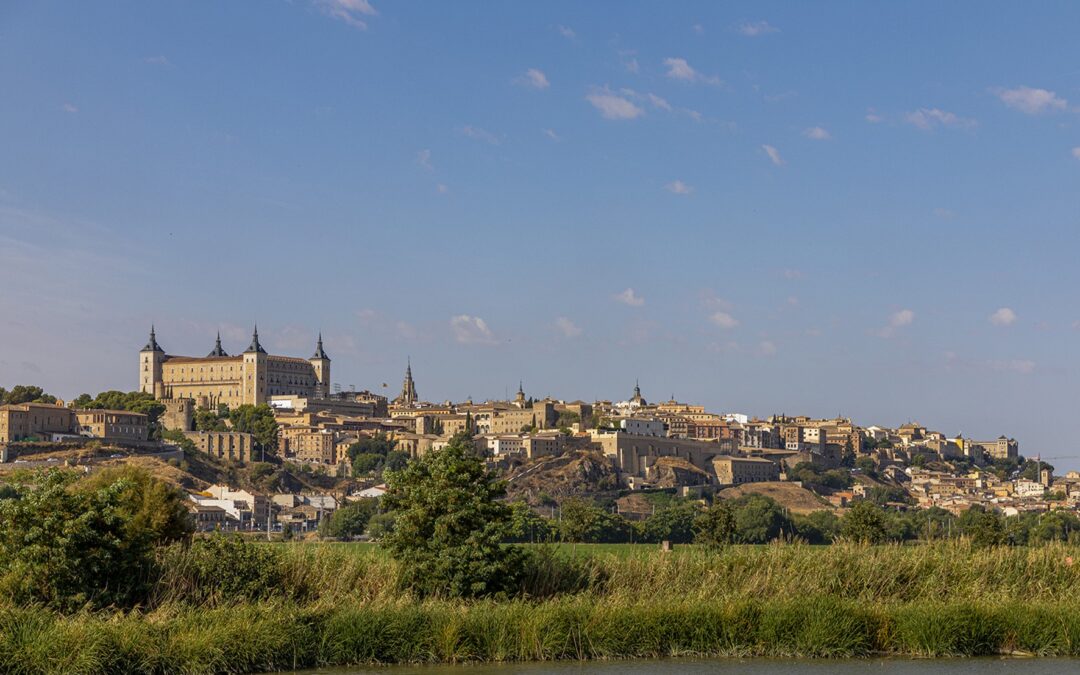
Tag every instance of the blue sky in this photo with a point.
(859, 208)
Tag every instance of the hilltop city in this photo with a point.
(263, 441)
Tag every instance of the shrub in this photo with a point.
(220, 569)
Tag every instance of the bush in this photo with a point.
(864, 523)
(68, 546)
(349, 521)
(715, 528)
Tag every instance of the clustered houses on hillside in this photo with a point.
(222, 508)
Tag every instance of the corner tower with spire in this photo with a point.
(321, 363)
(253, 372)
(150, 369)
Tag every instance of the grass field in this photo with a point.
(339, 604)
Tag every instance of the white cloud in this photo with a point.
(442, 189)
(659, 102)
(534, 78)
(756, 28)
(793, 274)
(568, 328)
(632, 66)
(69, 108)
(613, 106)
(817, 134)
(1003, 317)
(157, 61)
(698, 28)
(471, 330)
(873, 117)
(1021, 366)
(766, 348)
(929, 118)
(1076, 152)
(566, 31)
(724, 320)
(348, 11)
(1031, 101)
(629, 297)
(423, 158)
(550, 133)
(774, 155)
(478, 134)
(679, 69)
(678, 187)
(899, 319)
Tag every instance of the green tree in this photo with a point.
(674, 523)
(759, 519)
(985, 528)
(864, 523)
(715, 527)
(257, 420)
(527, 526)
(366, 463)
(25, 393)
(178, 438)
(350, 520)
(211, 420)
(579, 520)
(818, 527)
(449, 525)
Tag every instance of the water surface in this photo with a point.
(975, 666)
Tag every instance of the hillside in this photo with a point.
(574, 473)
(795, 499)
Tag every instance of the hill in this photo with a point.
(795, 499)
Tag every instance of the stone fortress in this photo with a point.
(220, 379)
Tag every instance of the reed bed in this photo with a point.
(335, 607)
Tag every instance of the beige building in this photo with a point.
(114, 425)
(739, 470)
(228, 445)
(219, 379)
(22, 421)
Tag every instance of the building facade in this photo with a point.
(251, 378)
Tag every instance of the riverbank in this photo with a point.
(337, 607)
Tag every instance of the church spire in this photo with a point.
(319, 353)
(218, 351)
(152, 345)
(255, 346)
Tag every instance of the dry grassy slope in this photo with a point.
(792, 497)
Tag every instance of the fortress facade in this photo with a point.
(219, 379)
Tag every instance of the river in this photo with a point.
(977, 666)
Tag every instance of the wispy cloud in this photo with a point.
(630, 298)
(348, 11)
(793, 274)
(817, 134)
(698, 28)
(774, 155)
(930, 118)
(679, 69)
(1004, 316)
(613, 106)
(1030, 100)
(534, 78)
(724, 320)
(629, 61)
(678, 187)
(471, 330)
(873, 117)
(659, 102)
(478, 134)
(442, 188)
(70, 108)
(550, 133)
(1076, 152)
(566, 31)
(1020, 366)
(897, 320)
(756, 28)
(423, 158)
(568, 328)
(159, 60)
(766, 348)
